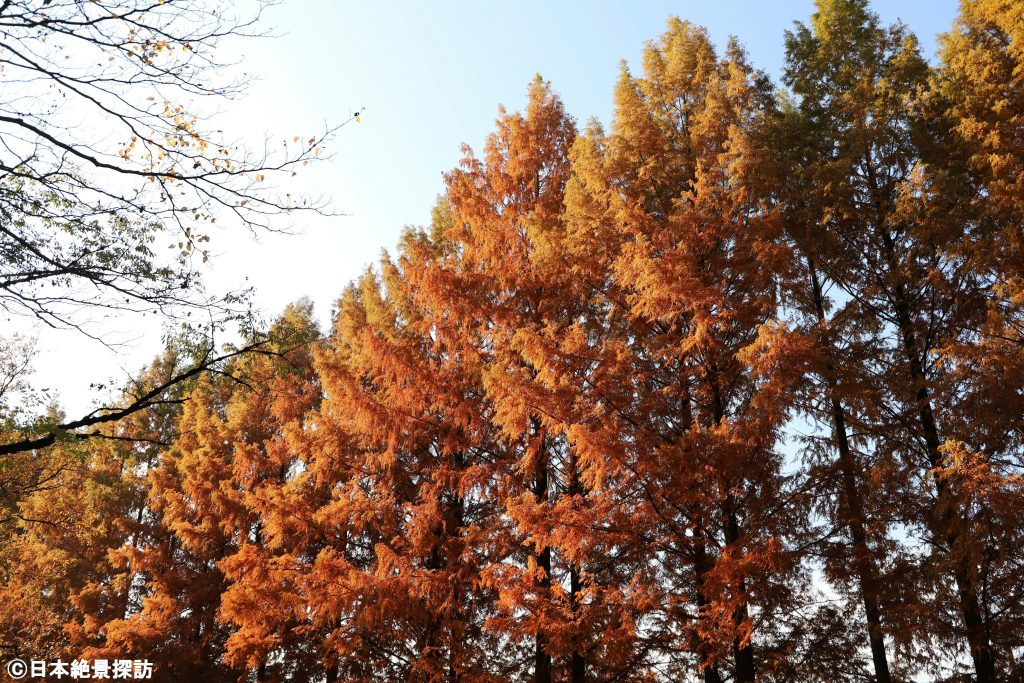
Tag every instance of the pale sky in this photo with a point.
(430, 76)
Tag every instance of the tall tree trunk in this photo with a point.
(705, 652)
(456, 514)
(541, 658)
(854, 507)
(708, 658)
(947, 512)
(946, 516)
(742, 648)
(577, 662)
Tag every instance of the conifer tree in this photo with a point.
(978, 88)
(201, 512)
(694, 263)
(74, 512)
(506, 220)
(896, 226)
(57, 569)
(270, 634)
(397, 492)
(730, 391)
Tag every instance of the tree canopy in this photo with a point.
(731, 389)
(108, 157)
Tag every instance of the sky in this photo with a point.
(429, 76)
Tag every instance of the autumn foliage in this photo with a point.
(730, 390)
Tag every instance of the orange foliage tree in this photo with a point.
(730, 391)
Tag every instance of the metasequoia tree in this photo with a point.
(900, 231)
(979, 93)
(55, 548)
(403, 429)
(730, 391)
(979, 90)
(696, 276)
(844, 472)
(502, 285)
(202, 508)
(496, 280)
(269, 635)
(174, 624)
(858, 487)
(71, 513)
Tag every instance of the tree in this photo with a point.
(72, 511)
(895, 214)
(107, 155)
(842, 465)
(696, 274)
(978, 88)
(203, 512)
(837, 394)
(404, 427)
(55, 548)
(268, 635)
(510, 298)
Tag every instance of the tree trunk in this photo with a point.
(708, 660)
(855, 518)
(742, 648)
(577, 662)
(947, 512)
(541, 659)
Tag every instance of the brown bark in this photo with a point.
(867, 574)
(946, 515)
(541, 658)
(577, 661)
(708, 659)
(742, 647)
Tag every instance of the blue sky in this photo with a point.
(430, 76)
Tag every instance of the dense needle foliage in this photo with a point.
(730, 390)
